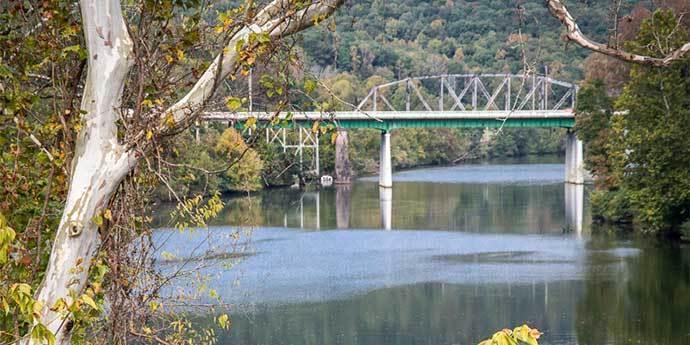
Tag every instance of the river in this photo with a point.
(448, 256)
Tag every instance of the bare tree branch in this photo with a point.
(289, 22)
(559, 11)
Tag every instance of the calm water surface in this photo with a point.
(450, 256)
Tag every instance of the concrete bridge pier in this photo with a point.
(343, 170)
(385, 162)
(574, 159)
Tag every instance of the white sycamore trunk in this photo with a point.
(101, 162)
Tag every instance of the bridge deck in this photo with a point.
(387, 120)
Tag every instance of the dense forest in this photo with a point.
(394, 40)
(372, 42)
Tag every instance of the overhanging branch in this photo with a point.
(278, 19)
(560, 11)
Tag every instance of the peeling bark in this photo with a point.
(558, 10)
(100, 162)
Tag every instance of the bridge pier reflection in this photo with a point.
(386, 206)
(316, 196)
(342, 206)
(574, 206)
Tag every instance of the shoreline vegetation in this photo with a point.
(635, 130)
(225, 163)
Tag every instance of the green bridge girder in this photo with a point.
(390, 124)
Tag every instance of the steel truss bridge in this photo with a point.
(448, 101)
(457, 101)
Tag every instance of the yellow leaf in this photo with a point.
(233, 103)
(251, 122)
(223, 321)
(42, 335)
(59, 305)
(37, 307)
(149, 135)
(88, 300)
(309, 85)
(5, 305)
(153, 305)
(169, 120)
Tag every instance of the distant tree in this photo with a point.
(245, 164)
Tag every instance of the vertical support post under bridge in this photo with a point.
(574, 159)
(385, 162)
(343, 170)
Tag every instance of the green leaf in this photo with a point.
(76, 49)
(239, 45)
(98, 219)
(41, 334)
(263, 37)
(309, 85)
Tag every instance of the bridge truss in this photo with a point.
(304, 140)
(449, 100)
(473, 92)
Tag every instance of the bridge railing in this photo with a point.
(475, 92)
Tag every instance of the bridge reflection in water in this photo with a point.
(573, 206)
